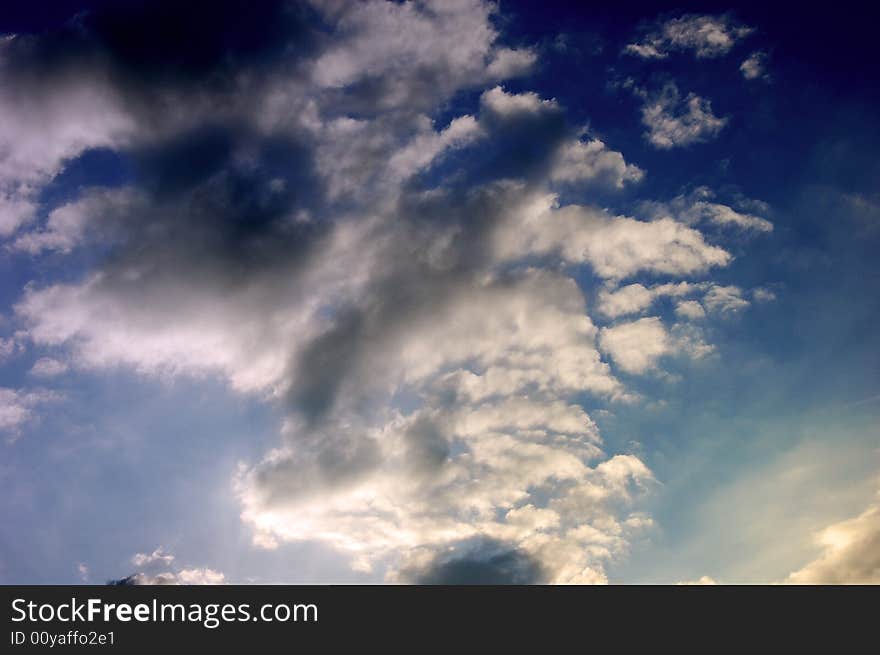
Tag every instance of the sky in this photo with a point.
(439, 292)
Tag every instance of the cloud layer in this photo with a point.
(403, 288)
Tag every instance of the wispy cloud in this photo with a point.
(674, 121)
(19, 407)
(754, 67)
(703, 35)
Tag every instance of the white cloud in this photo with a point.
(629, 299)
(157, 568)
(8, 347)
(635, 298)
(407, 44)
(589, 160)
(690, 309)
(724, 215)
(702, 580)
(501, 326)
(500, 102)
(201, 577)
(443, 475)
(16, 207)
(850, 553)
(370, 158)
(427, 146)
(690, 341)
(509, 62)
(184, 577)
(615, 246)
(47, 367)
(67, 225)
(762, 294)
(698, 207)
(571, 536)
(40, 132)
(575, 159)
(724, 299)
(17, 408)
(13, 409)
(211, 331)
(754, 66)
(706, 36)
(157, 556)
(636, 347)
(675, 122)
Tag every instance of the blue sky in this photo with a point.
(439, 292)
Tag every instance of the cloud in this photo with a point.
(158, 555)
(570, 159)
(68, 225)
(754, 66)
(538, 139)
(40, 132)
(724, 299)
(850, 553)
(400, 48)
(579, 160)
(705, 36)
(141, 579)
(17, 408)
(184, 577)
(47, 367)
(635, 298)
(201, 577)
(690, 309)
(498, 101)
(409, 296)
(14, 409)
(699, 207)
(157, 568)
(9, 347)
(637, 346)
(762, 294)
(702, 580)
(481, 562)
(676, 122)
(509, 62)
(615, 246)
(724, 215)
(425, 148)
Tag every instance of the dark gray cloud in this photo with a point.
(150, 47)
(481, 562)
(139, 579)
